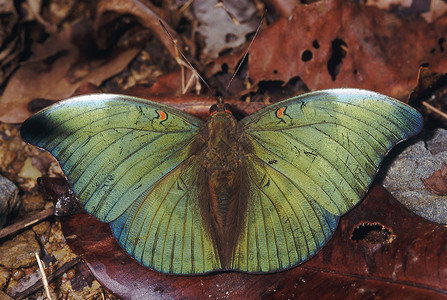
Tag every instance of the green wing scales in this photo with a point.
(283, 225)
(304, 162)
(309, 160)
(117, 153)
(164, 230)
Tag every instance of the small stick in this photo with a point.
(185, 6)
(145, 12)
(42, 215)
(183, 55)
(44, 276)
(434, 109)
(38, 285)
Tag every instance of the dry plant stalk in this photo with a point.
(44, 277)
(435, 110)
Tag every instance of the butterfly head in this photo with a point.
(220, 108)
(221, 122)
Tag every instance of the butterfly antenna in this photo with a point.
(246, 52)
(183, 55)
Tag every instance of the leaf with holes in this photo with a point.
(331, 44)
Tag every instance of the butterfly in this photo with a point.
(184, 196)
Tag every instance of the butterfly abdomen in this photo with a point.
(220, 171)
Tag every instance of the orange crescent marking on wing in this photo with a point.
(162, 115)
(280, 112)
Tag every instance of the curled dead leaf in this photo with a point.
(57, 69)
(437, 182)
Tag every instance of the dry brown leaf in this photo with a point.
(331, 44)
(429, 10)
(56, 70)
(147, 14)
(282, 8)
(9, 18)
(218, 29)
(9, 42)
(437, 182)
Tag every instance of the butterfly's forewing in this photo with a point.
(130, 161)
(310, 159)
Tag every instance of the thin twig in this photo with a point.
(44, 276)
(38, 285)
(183, 65)
(185, 7)
(434, 109)
(42, 215)
(183, 55)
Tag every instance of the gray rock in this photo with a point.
(9, 200)
(19, 252)
(416, 162)
(25, 283)
(438, 143)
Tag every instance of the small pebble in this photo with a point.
(31, 203)
(17, 274)
(20, 251)
(4, 277)
(42, 228)
(6, 158)
(71, 273)
(60, 253)
(29, 171)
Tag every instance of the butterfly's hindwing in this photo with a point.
(283, 224)
(164, 229)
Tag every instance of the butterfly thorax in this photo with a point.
(221, 160)
(220, 166)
